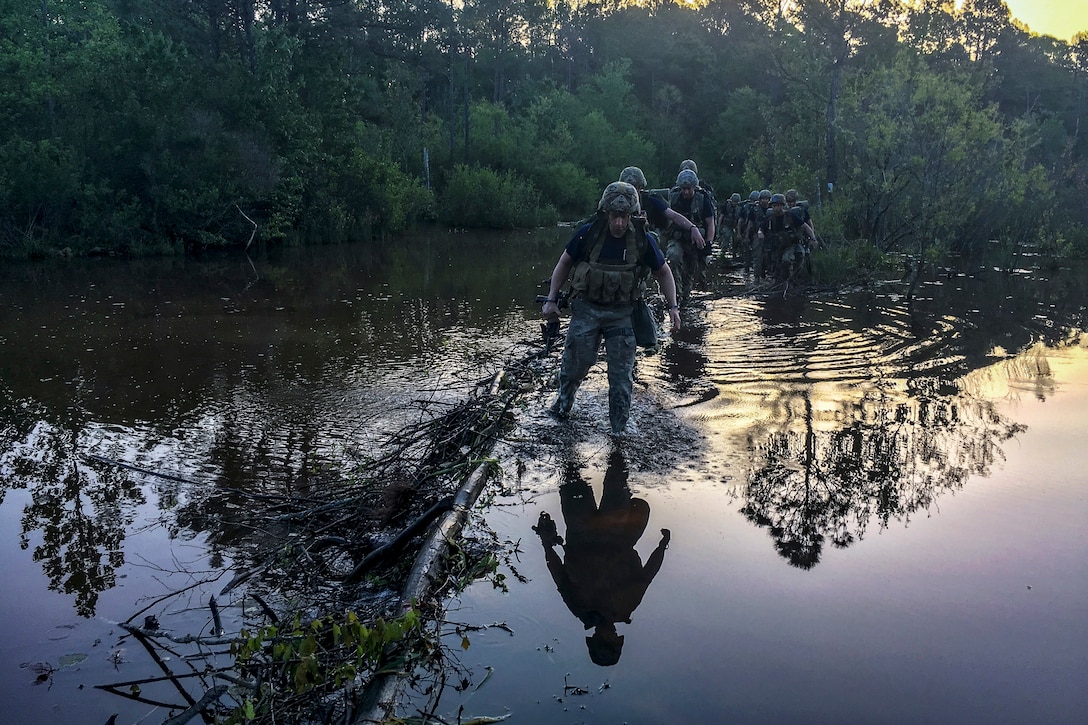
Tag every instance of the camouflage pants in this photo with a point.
(684, 261)
(757, 247)
(589, 324)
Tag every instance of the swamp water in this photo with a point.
(876, 510)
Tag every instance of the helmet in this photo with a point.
(753, 196)
(735, 198)
(778, 199)
(689, 164)
(621, 197)
(633, 175)
(687, 179)
(791, 196)
(765, 194)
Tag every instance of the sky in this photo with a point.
(1060, 18)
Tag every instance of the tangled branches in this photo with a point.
(350, 606)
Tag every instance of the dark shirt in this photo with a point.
(655, 208)
(791, 220)
(804, 212)
(614, 250)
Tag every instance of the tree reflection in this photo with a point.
(79, 510)
(894, 458)
(601, 578)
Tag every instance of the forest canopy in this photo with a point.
(156, 126)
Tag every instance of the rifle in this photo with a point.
(549, 329)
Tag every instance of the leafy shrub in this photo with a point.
(570, 187)
(842, 262)
(477, 197)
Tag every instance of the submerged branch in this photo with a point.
(306, 551)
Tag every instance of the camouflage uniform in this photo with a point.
(608, 277)
(684, 257)
(757, 215)
(726, 231)
(785, 238)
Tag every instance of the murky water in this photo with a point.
(876, 508)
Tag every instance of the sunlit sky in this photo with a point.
(1060, 18)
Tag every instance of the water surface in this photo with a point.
(876, 505)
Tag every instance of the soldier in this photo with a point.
(609, 261)
(726, 227)
(756, 217)
(792, 201)
(786, 237)
(656, 210)
(703, 260)
(748, 224)
(694, 205)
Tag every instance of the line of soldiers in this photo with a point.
(772, 232)
(685, 218)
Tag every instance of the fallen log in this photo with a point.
(379, 698)
(399, 540)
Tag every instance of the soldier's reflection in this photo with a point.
(601, 577)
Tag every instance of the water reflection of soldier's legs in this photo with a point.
(622, 515)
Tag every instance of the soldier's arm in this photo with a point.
(559, 277)
(683, 222)
(708, 220)
(667, 282)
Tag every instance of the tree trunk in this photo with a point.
(832, 101)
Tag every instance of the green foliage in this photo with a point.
(133, 127)
(480, 197)
(926, 158)
(845, 262)
(568, 186)
(324, 655)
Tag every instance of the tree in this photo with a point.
(927, 159)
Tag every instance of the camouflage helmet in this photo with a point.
(791, 196)
(735, 198)
(753, 196)
(778, 199)
(620, 197)
(687, 179)
(765, 194)
(689, 164)
(633, 175)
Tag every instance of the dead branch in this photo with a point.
(206, 699)
(399, 540)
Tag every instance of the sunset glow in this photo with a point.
(1061, 18)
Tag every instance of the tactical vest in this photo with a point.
(750, 215)
(785, 229)
(694, 214)
(607, 284)
(729, 214)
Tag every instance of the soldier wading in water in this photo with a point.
(611, 259)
